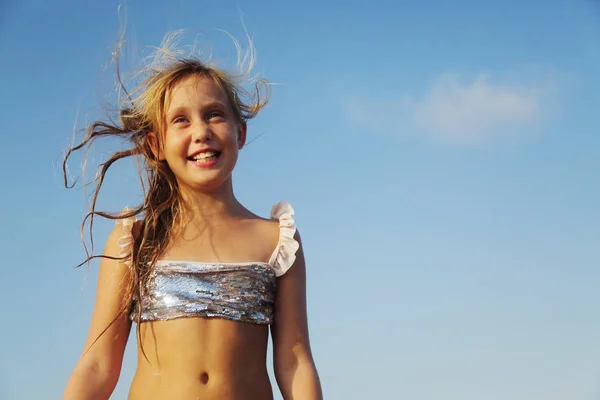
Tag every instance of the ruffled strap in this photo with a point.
(285, 253)
(126, 241)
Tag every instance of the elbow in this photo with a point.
(285, 367)
(295, 368)
(106, 373)
(289, 361)
(299, 381)
(286, 373)
(92, 380)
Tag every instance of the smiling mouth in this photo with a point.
(205, 156)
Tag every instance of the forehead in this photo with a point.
(195, 91)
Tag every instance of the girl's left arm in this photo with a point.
(294, 366)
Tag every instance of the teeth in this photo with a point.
(204, 155)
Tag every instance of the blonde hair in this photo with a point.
(142, 112)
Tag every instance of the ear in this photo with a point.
(241, 135)
(152, 139)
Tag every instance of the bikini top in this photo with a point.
(242, 292)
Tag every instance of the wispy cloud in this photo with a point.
(456, 111)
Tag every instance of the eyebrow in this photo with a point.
(181, 109)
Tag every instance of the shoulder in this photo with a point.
(277, 236)
(280, 217)
(128, 225)
(122, 237)
(280, 221)
(288, 238)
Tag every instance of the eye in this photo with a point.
(215, 114)
(180, 120)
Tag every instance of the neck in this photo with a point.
(209, 207)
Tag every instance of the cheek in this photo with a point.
(233, 155)
(175, 143)
(235, 140)
(232, 158)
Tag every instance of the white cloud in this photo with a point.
(457, 112)
(466, 112)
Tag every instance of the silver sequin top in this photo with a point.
(242, 292)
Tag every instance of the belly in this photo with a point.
(191, 358)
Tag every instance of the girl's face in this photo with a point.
(202, 137)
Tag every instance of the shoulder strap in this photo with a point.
(284, 255)
(126, 241)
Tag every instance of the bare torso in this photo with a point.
(197, 358)
(208, 358)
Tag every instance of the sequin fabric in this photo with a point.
(241, 292)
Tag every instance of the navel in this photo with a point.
(204, 377)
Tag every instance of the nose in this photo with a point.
(201, 132)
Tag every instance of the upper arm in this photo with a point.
(291, 343)
(110, 325)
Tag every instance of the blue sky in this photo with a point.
(442, 157)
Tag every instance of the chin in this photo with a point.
(205, 177)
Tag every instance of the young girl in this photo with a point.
(201, 275)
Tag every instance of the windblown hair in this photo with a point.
(142, 112)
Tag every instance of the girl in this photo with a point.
(201, 275)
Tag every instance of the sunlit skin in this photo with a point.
(203, 358)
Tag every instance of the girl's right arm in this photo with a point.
(97, 372)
